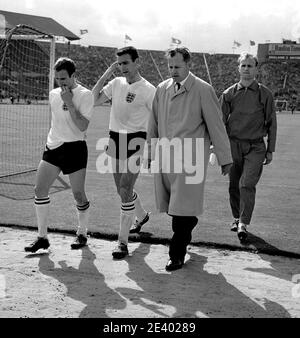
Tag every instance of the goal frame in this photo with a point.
(35, 35)
(29, 33)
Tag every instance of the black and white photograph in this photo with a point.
(149, 163)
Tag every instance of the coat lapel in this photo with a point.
(185, 88)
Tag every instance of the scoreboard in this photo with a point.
(287, 50)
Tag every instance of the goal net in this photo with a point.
(26, 76)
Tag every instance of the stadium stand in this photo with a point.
(18, 84)
(283, 78)
(93, 60)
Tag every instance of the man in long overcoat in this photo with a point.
(186, 119)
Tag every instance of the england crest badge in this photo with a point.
(130, 97)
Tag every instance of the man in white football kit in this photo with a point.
(132, 98)
(71, 108)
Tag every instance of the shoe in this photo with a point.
(80, 241)
(174, 264)
(137, 226)
(120, 251)
(234, 225)
(39, 243)
(242, 232)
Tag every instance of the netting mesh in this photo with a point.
(24, 113)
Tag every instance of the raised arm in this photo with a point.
(98, 94)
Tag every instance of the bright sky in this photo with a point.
(203, 26)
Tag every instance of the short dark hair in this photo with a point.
(246, 55)
(184, 51)
(64, 63)
(130, 50)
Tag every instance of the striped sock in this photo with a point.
(126, 220)
(83, 218)
(42, 210)
(140, 212)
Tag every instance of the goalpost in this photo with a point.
(26, 77)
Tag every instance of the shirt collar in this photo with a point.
(188, 82)
(183, 81)
(253, 86)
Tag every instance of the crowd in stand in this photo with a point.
(283, 78)
(92, 62)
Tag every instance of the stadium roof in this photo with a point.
(44, 24)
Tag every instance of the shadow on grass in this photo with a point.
(84, 284)
(278, 268)
(189, 292)
(259, 245)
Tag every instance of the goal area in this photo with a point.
(26, 77)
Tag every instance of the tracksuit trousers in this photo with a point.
(248, 157)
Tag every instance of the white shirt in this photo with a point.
(63, 129)
(131, 104)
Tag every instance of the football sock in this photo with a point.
(83, 218)
(140, 212)
(42, 210)
(126, 219)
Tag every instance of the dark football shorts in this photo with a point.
(121, 146)
(69, 157)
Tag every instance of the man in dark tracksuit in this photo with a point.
(249, 116)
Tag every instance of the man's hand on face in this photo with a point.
(66, 95)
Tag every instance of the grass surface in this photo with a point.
(275, 225)
(23, 131)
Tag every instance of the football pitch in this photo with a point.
(23, 130)
(275, 226)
